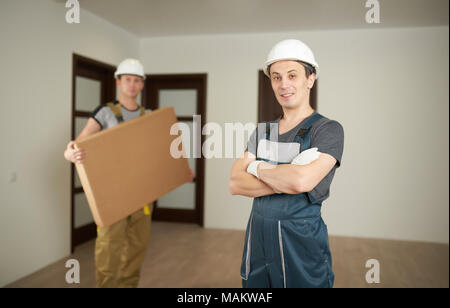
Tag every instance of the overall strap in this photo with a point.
(117, 110)
(303, 135)
(265, 132)
(142, 108)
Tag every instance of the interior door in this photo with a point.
(87, 97)
(92, 84)
(187, 94)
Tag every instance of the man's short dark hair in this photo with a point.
(309, 69)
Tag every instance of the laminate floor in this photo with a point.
(188, 256)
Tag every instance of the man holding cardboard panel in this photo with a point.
(120, 247)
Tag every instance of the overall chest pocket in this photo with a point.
(280, 152)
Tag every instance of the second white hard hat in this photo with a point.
(291, 50)
(130, 67)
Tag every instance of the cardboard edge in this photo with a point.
(89, 193)
(130, 122)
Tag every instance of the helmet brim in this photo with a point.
(117, 75)
(269, 63)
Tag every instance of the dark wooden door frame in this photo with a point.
(151, 99)
(88, 68)
(268, 107)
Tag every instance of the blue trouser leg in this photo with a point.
(307, 257)
(288, 253)
(265, 261)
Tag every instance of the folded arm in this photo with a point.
(295, 179)
(245, 184)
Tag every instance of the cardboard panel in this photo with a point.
(129, 166)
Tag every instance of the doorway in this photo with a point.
(187, 94)
(92, 85)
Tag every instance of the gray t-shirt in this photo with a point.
(326, 135)
(106, 118)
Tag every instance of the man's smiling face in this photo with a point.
(290, 84)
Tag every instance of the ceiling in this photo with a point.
(154, 18)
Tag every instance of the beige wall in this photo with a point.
(36, 62)
(388, 88)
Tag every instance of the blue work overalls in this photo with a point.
(286, 242)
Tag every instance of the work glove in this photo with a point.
(253, 168)
(306, 157)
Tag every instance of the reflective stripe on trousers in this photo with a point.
(286, 245)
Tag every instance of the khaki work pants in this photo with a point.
(120, 250)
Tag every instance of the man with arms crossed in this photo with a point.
(288, 168)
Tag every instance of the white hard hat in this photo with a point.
(291, 50)
(130, 67)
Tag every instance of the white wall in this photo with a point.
(387, 87)
(35, 85)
